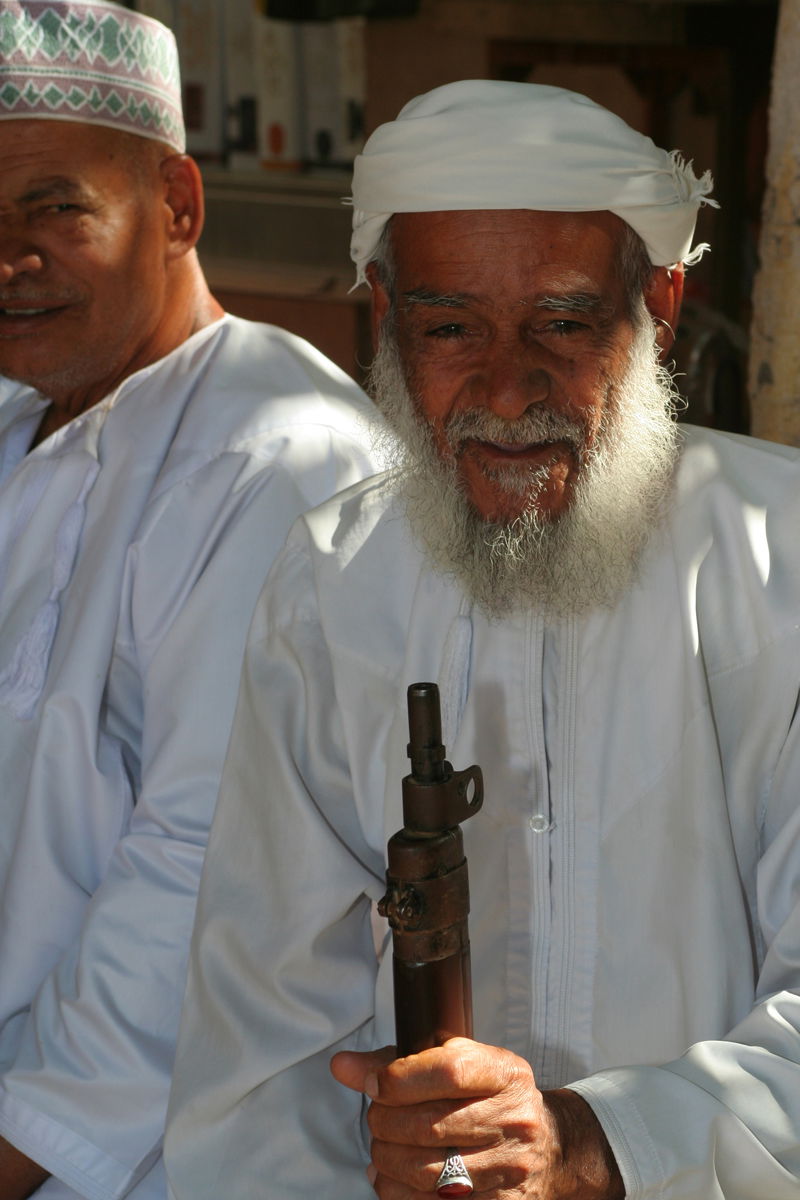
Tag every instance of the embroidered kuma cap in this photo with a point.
(489, 144)
(93, 62)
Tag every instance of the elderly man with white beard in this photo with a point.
(610, 605)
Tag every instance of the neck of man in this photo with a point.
(190, 307)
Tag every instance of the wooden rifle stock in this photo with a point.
(427, 893)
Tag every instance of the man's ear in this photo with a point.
(663, 296)
(380, 303)
(185, 205)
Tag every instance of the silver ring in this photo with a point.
(454, 1178)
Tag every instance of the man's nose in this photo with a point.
(510, 384)
(17, 257)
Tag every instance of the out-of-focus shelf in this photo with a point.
(275, 218)
(302, 283)
(270, 185)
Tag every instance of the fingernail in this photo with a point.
(371, 1086)
(372, 1174)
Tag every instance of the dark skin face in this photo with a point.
(97, 272)
(507, 310)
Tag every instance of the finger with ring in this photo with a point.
(454, 1178)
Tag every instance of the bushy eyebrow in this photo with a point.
(437, 299)
(575, 302)
(57, 187)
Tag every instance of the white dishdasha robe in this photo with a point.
(634, 871)
(133, 544)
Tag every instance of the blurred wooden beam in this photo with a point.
(774, 373)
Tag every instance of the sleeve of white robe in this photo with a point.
(723, 1121)
(87, 1096)
(282, 969)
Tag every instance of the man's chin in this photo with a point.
(500, 507)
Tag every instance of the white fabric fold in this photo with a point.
(454, 678)
(22, 680)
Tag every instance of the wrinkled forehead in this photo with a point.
(500, 249)
(37, 140)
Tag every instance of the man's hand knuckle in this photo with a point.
(524, 1131)
(376, 1114)
(455, 1072)
(435, 1131)
(516, 1072)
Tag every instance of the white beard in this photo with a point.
(582, 559)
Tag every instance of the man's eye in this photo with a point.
(58, 209)
(451, 330)
(566, 327)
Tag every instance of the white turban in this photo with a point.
(487, 144)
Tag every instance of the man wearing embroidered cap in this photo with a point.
(610, 608)
(153, 453)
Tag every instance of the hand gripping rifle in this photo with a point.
(427, 894)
